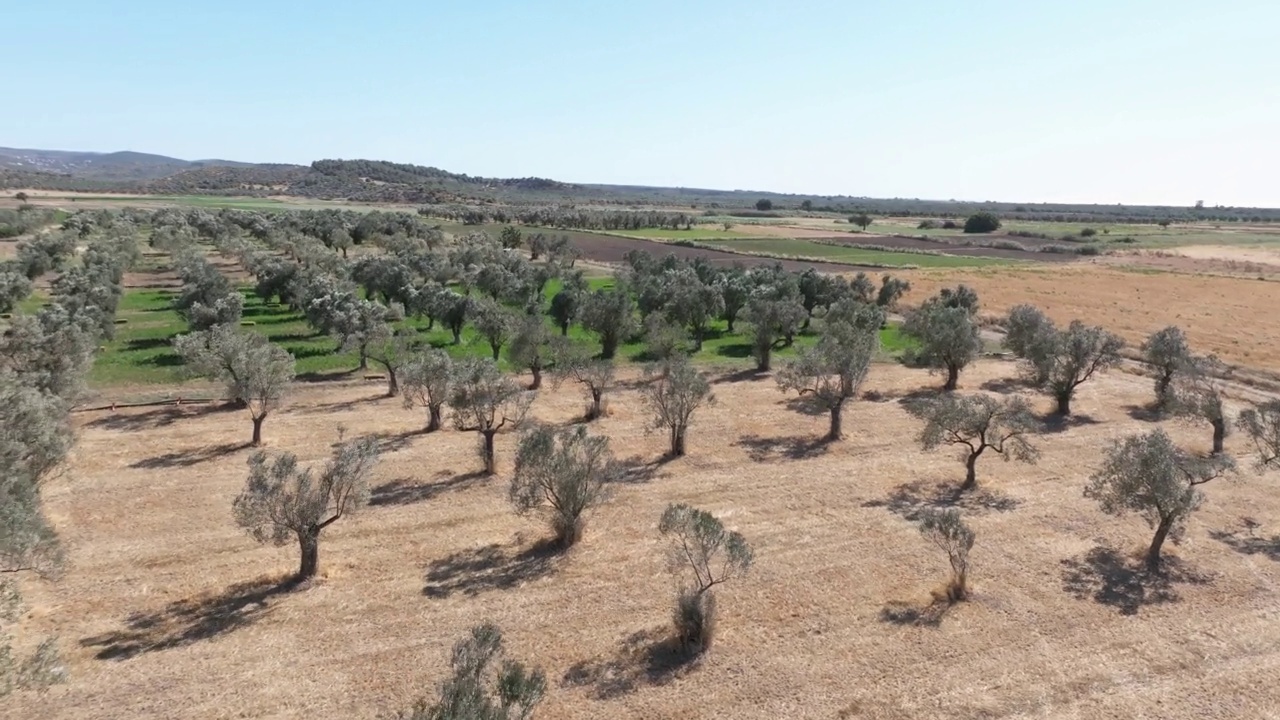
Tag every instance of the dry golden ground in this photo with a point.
(166, 609)
(1237, 318)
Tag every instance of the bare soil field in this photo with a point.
(168, 610)
(611, 249)
(1234, 317)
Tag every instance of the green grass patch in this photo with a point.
(697, 232)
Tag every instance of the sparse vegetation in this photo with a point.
(480, 688)
(703, 554)
(673, 392)
(565, 473)
(946, 530)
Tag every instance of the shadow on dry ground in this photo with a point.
(911, 499)
(406, 491)
(160, 417)
(1107, 577)
(1246, 542)
(187, 458)
(190, 620)
(798, 447)
(647, 657)
(492, 567)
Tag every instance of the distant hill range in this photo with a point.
(389, 182)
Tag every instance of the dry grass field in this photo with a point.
(167, 609)
(1235, 317)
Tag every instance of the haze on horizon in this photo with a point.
(1135, 101)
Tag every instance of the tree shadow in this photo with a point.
(1111, 579)
(341, 405)
(734, 350)
(902, 613)
(162, 416)
(324, 376)
(404, 491)
(190, 620)
(1005, 386)
(147, 343)
(636, 470)
(746, 375)
(187, 458)
(805, 406)
(651, 657)
(1055, 423)
(492, 567)
(910, 500)
(797, 447)
(1245, 542)
(1144, 413)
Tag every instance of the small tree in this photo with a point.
(1166, 352)
(663, 339)
(392, 350)
(735, 293)
(471, 693)
(1149, 475)
(575, 362)
(428, 382)
(20, 196)
(673, 393)
(861, 219)
(830, 373)
(703, 554)
(1199, 392)
(771, 320)
(692, 303)
(1262, 425)
(978, 423)
(891, 291)
(566, 305)
(948, 338)
(530, 347)
(511, 237)
(982, 222)
(494, 323)
(764, 205)
(564, 473)
(945, 529)
(610, 314)
(256, 373)
(281, 501)
(484, 401)
(1059, 361)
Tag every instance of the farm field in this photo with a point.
(851, 254)
(169, 605)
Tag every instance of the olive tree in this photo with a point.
(673, 392)
(1262, 425)
(566, 305)
(530, 346)
(563, 473)
(610, 314)
(692, 303)
(735, 292)
(947, 336)
(392, 350)
(946, 530)
(1198, 392)
(1151, 476)
(663, 339)
(281, 501)
(14, 286)
(494, 323)
(771, 318)
(480, 688)
(702, 555)
(575, 362)
(427, 381)
(830, 373)
(1166, 352)
(1059, 361)
(978, 423)
(256, 373)
(484, 401)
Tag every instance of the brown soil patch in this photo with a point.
(1233, 317)
(611, 249)
(788, 231)
(169, 610)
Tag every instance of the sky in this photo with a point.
(1109, 101)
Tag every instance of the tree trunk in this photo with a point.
(393, 383)
(490, 463)
(834, 433)
(364, 359)
(431, 323)
(564, 329)
(697, 340)
(433, 417)
(1219, 434)
(789, 339)
(497, 349)
(1064, 403)
(1162, 387)
(1153, 552)
(309, 544)
(677, 441)
(731, 318)
(597, 406)
(953, 376)
(608, 347)
(537, 377)
(257, 429)
(457, 335)
(971, 470)
(764, 360)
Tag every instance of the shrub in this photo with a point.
(949, 225)
(764, 205)
(982, 222)
(704, 554)
(927, 225)
(1088, 250)
(945, 529)
(1088, 232)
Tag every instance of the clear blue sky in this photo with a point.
(1091, 100)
